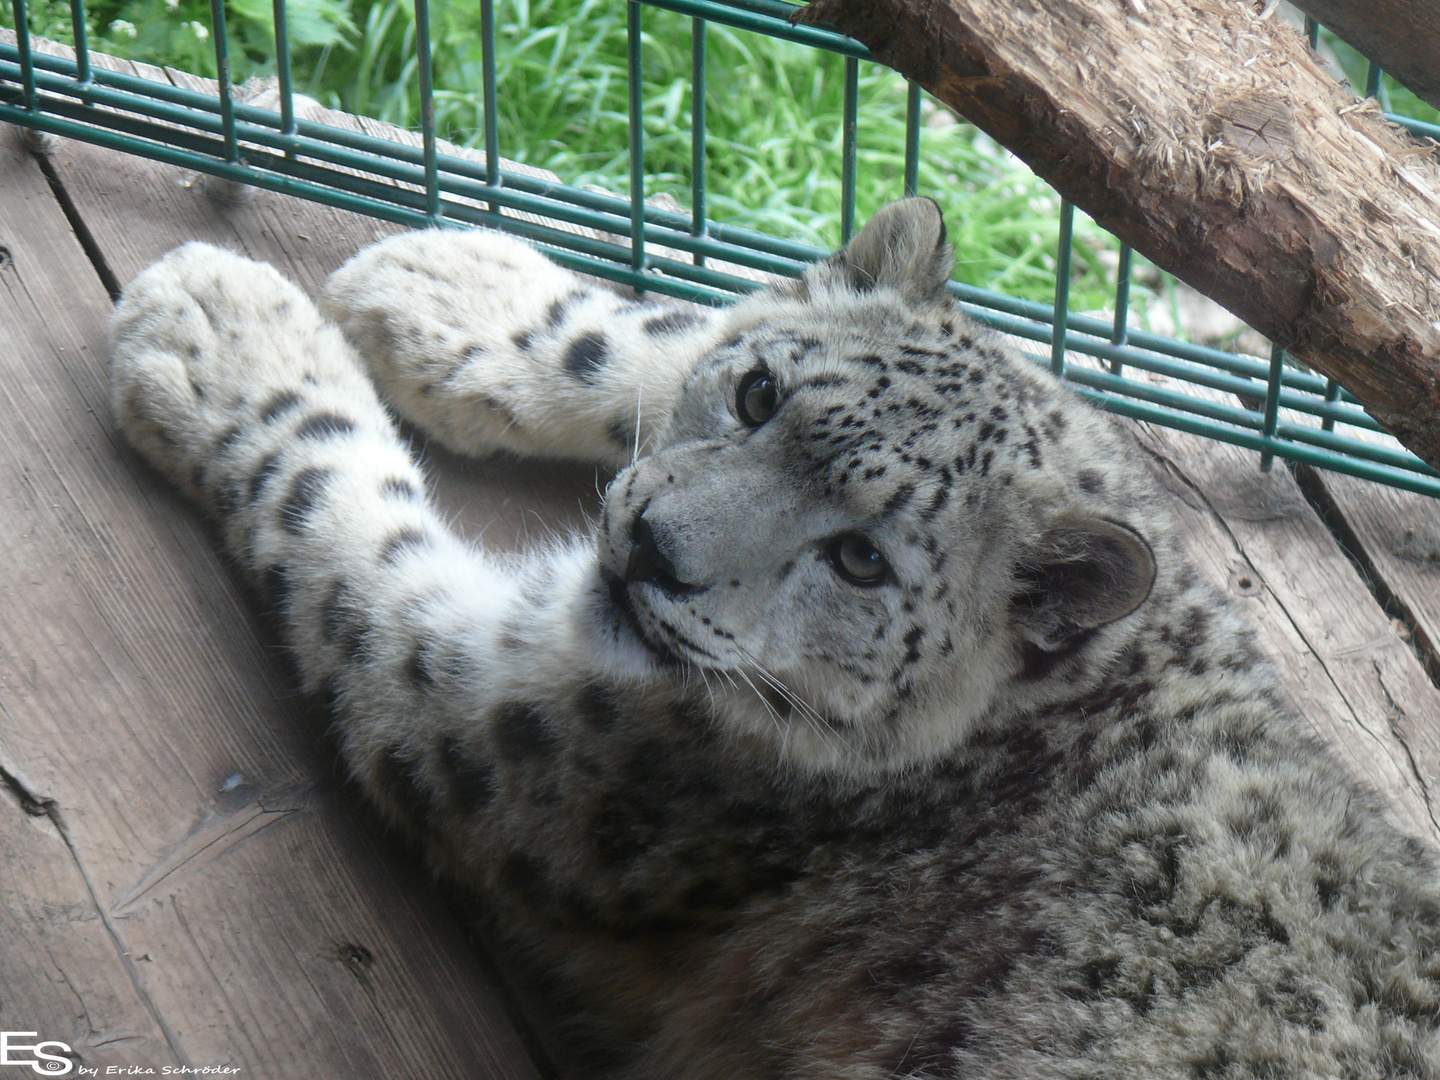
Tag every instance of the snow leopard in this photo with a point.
(878, 728)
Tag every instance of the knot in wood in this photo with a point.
(1256, 125)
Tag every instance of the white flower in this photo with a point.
(172, 5)
(201, 30)
(120, 26)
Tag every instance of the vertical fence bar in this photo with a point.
(493, 175)
(1062, 289)
(1121, 330)
(282, 72)
(22, 46)
(1312, 32)
(847, 149)
(82, 41)
(912, 140)
(222, 77)
(1375, 86)
(1332, 395)
(427, 110)
(698, 29)
(637, 136)
(1372, 80)
(1272, 402)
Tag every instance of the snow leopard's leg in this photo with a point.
(485, 344)
(452, 673)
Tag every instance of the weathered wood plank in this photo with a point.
(65, 976)
(1397, 536)
(1345, 669)
(273, 928)
(1208, 137)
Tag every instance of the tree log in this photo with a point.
(1402, 36)
(1210, 139)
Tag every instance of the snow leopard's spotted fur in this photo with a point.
(1026, 806)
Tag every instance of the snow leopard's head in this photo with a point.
(870, 527)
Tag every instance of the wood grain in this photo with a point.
(1396, 535)
(269, 924)
(66, 977)
(1208, 137)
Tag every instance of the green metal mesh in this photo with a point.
(1302, 417)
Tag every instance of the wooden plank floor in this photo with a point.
(186, 880)
(183, 877)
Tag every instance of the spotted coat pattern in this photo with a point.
(879, 729)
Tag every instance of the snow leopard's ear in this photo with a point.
(1086, 573)
(902, 247)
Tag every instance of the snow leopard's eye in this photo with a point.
(857, 561)
(756, 398)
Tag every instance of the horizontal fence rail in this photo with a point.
(1269, 406)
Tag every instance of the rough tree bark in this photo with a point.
(1208, 137)
(1402, 36)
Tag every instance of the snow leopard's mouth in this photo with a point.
(674, 653)
(623, 605)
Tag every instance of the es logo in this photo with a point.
(40, 1058)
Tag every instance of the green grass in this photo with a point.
(773, 113)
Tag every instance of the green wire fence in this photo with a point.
(629, 242)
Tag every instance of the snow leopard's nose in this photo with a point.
(647, 562)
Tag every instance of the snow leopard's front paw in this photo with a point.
(446, 323)
(485, 344)
(208, 349)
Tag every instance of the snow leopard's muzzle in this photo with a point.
(691, 541)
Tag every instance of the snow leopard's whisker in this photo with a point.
(774, 716)
(728, 678)
(785, 692)
(812, 716)
(782, 689)
(709, 690)
(732, 681)
(635, 444)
